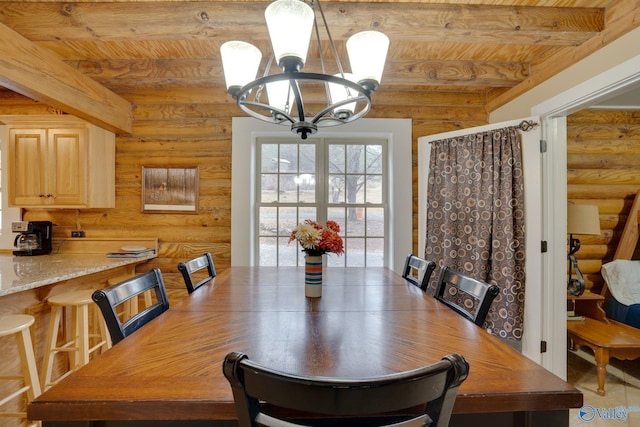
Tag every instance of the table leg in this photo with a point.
(602, 359)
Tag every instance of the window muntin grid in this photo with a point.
(292, 187)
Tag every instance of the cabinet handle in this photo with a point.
(50, 195)
(40, 195)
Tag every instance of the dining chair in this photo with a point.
(110, 299)
(469, 297)
(193, 270)
(418, 271)
(257, 390)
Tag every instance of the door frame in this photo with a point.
(552, 113)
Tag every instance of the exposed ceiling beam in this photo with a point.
(206, 71)
(418, 22)
(38, 74)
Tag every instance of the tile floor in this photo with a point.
(622, 386)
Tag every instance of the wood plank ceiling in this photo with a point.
(442, 53)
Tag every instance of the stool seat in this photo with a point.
(20, 326)
(14, 323)
(76, 343)
(77, 297)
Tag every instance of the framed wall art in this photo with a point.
(170, 189)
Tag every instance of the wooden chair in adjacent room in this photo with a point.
(110, 299)
(344, 401)
(418, 271)
(469, 297)
(194, 273)
(28, 382)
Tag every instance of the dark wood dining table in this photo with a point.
(369, 321)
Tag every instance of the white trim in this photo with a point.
(246, 130)
(553, 113)
(617, 80)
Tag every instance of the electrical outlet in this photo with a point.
(77, 233)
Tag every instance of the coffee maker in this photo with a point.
(34, 237)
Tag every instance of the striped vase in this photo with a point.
(313, 275)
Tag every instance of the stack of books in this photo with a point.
(131, 252)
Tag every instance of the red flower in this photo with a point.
(316, 239)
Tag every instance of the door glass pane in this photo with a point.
(352, 196)
(269, 155)
(375, 222)
(355, 252)
(336, 158)
(268, 224)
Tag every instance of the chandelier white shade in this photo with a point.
(347, 96)
(240, 63)
(280, 95)
(367, 53)
(290, 23)
(341, 93)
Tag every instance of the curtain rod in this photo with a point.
(524, 126)
(527, 125)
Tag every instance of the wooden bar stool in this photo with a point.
(77, 337)
(20, 326)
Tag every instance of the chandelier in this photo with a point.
(346, 96)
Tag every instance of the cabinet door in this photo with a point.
(67, 166)
(27, 167)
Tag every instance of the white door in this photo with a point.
(534, 327)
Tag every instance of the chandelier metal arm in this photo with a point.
(298, 97)
(328, 116)
(318, 117)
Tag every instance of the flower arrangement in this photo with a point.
(316, 239)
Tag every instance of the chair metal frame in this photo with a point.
(421, 267)
(331, 401)
(110, 298)
(187, 269)
(483, 292)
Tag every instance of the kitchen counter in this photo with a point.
(26, 282)
(22, 273)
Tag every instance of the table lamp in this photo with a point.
(581, 219)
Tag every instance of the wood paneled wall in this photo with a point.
(185, 126)
(603, 156)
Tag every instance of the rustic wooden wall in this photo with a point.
(186, 127)
(193, 127)
(603, 154)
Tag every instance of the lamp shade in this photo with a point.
(367, 52)
(341, 93)
(240, 62)
(583, 219)
(280, 95)
(290, 23)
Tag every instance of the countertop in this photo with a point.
(22, 273)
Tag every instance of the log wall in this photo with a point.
(603, 154)
(184, 126)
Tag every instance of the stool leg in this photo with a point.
(52, 338)
(29, 369)
(82, 337)
(147, 299)
(72, 338)
(98, 319)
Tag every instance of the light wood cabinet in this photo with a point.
(60, 164)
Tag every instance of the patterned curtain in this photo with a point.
(475, 218)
